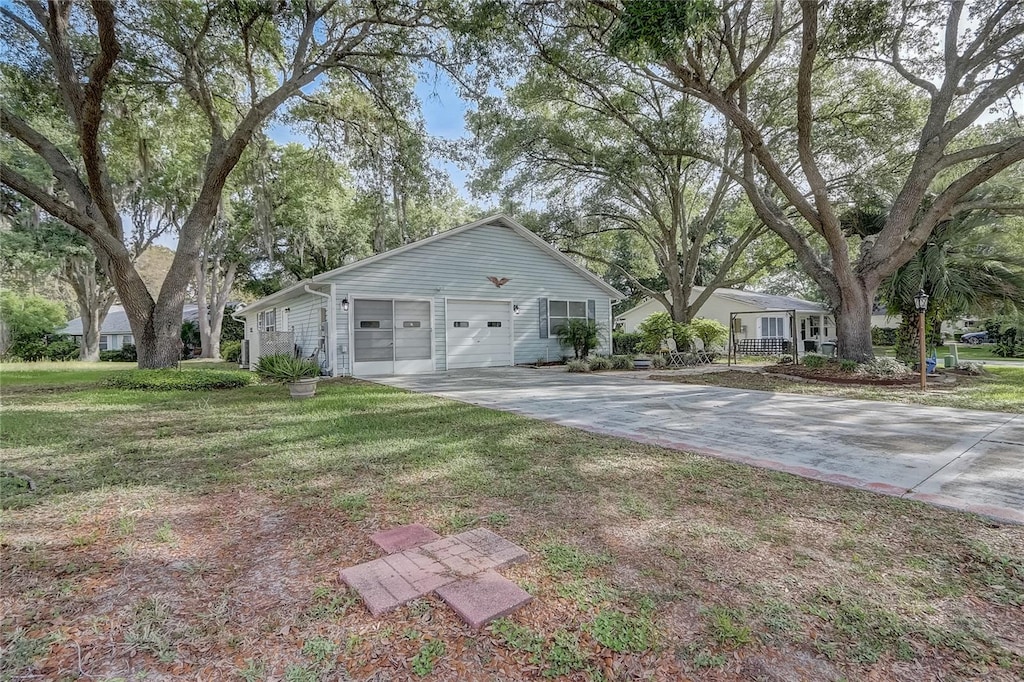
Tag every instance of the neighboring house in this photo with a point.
(761, 316)
(486, 294)
(115, 332)
(953, 328)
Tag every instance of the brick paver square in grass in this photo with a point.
(380, 586)
(387, 583)
(493, 546)
(459, 568)
(404, 537)
(484, 597)
(460, 559)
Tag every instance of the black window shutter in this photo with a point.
(542, 308)
(592, 310)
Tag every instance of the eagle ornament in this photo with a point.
(498, 282)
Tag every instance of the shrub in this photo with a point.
(883, 336)
(1009, 346)
(600, 364)
(179, 380)
(658, 362)
(622, 362)
(848, 365)
(626, 343)
(659, 327)
(712, 333)
(283, 368)
(190, 338)
(993, 328)
(231, 351)
(125, 354)
(61, 350)
(577, 366)
(27, 319)
(815, 361)
(28, 350)
(580, 335)
(885, 368)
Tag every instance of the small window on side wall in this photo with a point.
(411, 324)
(369, 324)
(560, 312)
(494, 324)
(460, 324)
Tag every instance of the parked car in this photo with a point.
(974, 338)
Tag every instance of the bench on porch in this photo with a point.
(764, 346)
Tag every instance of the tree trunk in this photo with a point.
(160, 342)
(94, 301)
(213, 297)
(89, 348)
(853, 323)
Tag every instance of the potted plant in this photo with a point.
(299, 373)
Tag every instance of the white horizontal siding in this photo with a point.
(457, 268)
(454, 268)
(304, 323)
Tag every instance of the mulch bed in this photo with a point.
(832, 374)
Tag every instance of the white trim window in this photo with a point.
(266, 321)
(560, 312)
(773, 328)
(104, 342)
(127, 340)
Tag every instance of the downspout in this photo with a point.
(332, 346)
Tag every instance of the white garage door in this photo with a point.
(478, 334)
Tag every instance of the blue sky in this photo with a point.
(444, 112)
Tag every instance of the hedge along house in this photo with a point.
(486, 294)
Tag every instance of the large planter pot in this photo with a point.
(303, 388)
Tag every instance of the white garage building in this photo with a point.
(486, 294)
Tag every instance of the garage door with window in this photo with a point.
(391, 336)
(478, 334)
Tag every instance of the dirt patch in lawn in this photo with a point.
(167, 543)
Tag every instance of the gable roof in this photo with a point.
(497, 219)
(772, 301)
(116, 321)
(752, 298)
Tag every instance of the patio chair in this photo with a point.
(677, 358)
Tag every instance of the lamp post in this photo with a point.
(921, 303)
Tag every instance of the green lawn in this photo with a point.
(22, 376)
(199, 535)
(1001, 389)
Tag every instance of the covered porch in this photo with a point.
(780, 333)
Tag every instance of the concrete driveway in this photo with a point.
(966, 459)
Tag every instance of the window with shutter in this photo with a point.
(559, 312)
